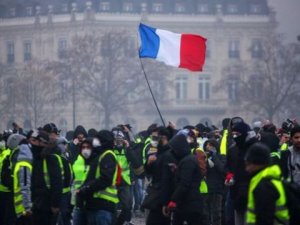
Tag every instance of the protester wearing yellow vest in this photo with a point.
(124, 191)
(21, 167)
(266, 194)
(99, 190)
(47, 179)
(81, 168)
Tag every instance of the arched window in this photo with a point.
(27, 125)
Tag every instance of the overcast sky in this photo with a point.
(288, 16)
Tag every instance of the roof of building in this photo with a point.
(23, 8)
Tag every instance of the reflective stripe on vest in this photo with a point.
(80, 172)
(281, 211)
(147, 143)
(46, 173)
(18, 197)
(110, 193)
(284, 147)
(5, 153)
(123, 162)
(223, 147)
(275, 154)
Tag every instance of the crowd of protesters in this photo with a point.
(195, 175)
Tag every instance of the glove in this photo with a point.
(83, 191)
(229, 180)
(172, 205)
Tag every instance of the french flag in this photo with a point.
(179, 50)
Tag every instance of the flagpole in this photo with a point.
(154, 100)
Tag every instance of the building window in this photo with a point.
(181, 88)
(234, 49)
(157, 7)
(203, 8)
(232, 8)
(64, 8)
(256, 49)
(10, 46)
(27, 125)
(256, 84)
(28, 11)
(27, 51)
(62, 48)
(233, 89)
(255, 8)
(204, 88)
(179, 7)
(128, 7)
(104, 6)
(12, 12)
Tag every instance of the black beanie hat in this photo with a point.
(258, 154)
(241, 127)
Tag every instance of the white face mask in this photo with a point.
(96, 142)
(154, 143)
(86, 153)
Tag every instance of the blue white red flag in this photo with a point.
(179, 50)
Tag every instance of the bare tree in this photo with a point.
(38, 92)
(269, 82)
(106, 67)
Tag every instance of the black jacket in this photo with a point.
(107, 167)
(187, 177)
(215, 176)
(236, 165)
(42, 197)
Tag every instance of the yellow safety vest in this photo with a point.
(281, 211)
(223, 147)
(46, 173)
(284, 147)
(18, 197)
(110, 193)
(5, 153)
(123, 162)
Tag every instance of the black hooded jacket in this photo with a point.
(187, 177)
(44, 198)
(72, 149)
(236, 165)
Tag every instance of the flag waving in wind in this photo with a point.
(179, 50)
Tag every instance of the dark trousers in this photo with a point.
(44, 218)
(65, 215)
(155, 217)
(24, 220)
(7, 211)
(190, 219)
(215, 202)
(125, 204)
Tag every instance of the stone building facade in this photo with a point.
(233, 29)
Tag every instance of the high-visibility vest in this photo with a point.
(18, 197)
(223, 147)
(275, 154)
(5, 153)
(203, 188)
(281, 211)
(284, 147)
(46, 173)
(123, 162)
(80, 170)
(146, 144)
(110, 193)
